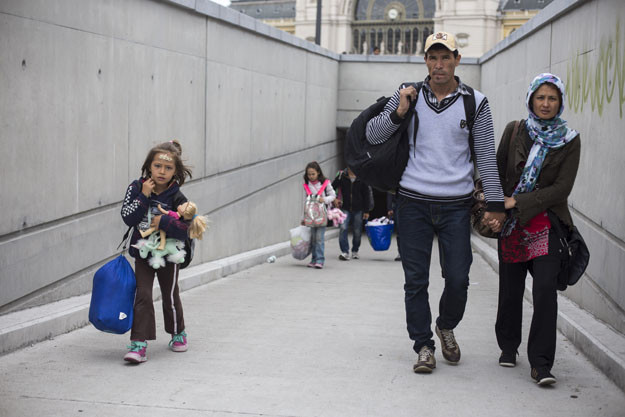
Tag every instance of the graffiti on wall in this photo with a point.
(597, 77)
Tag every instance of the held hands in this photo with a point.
(365, 216)
(148, 187)
(494, 220)
(337, 203)
(406, 95)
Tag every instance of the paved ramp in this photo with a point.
(284, 340)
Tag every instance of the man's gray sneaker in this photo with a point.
(425, 361)
(344, 256)
(451, 350)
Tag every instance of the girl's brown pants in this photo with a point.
(144, 322)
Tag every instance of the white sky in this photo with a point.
(222, 2)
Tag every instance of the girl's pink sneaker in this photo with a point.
(179, 342)
(137, 352)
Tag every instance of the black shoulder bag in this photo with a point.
(576, 255)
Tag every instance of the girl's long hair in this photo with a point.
(314, 165)
(198, 225)
(173, 148)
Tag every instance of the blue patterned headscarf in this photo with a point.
(546, 134)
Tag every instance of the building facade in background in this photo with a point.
(514, 13)
(395, 27)
(277, 13)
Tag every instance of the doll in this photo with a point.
(187, 211)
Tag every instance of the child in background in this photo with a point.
(354, 199)
(163, 172)
(314, 178)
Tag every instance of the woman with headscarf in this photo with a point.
(537, 167)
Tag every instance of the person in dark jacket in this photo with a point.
(354, 198)
(537, 168)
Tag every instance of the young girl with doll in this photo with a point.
(162, 174)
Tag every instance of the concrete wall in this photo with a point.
(89, 86)
(592, 64)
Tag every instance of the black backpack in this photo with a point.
(382, 166)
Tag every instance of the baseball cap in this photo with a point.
(444, 38)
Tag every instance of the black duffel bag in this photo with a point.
(380, 166)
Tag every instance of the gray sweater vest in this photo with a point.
(440, 164)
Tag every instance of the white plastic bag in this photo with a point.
(300, 242)
(379, 221)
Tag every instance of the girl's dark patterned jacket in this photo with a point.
(135, 212)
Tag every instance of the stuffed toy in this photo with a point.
(337, 216)
(173, 250)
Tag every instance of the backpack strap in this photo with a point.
(125, 239)
(323, 187)
(515, 130)
(413, 104)
(469, 114)
(417, 87)
(308, 192)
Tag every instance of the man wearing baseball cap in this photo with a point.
(435, 191)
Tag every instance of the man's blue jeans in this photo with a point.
(354, 217)
(418, 223)
(318, 242)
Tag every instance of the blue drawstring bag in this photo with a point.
(113, 297)
(379, 235)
